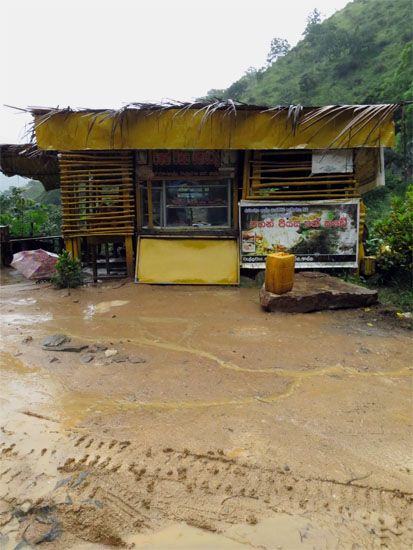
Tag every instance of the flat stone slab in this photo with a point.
(315, 291)
(70, 347)
(55, 340)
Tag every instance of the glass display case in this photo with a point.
(182, 203)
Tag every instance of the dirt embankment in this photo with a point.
(257, 430)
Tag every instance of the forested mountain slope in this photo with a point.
(361, 54)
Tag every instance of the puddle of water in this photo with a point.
(282, 531)
(20, 319)
(254, 333)
(184, 537)
(21, 302)
(103, 307)
(9, 276)
(10, 363)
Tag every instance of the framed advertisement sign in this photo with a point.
(319, 233)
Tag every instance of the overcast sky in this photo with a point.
(101, 53)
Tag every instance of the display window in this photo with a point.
(183, 203)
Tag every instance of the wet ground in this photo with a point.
(215, 425)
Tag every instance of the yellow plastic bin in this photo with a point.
(279, 272)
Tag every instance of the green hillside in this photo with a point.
(362, 54)
(35, 191)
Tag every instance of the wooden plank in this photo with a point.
(98, 203)
(301, 184)
(130, 265)
(245, 174)
(83, 186)
(311, 192)
(308, 180)
(150, 204)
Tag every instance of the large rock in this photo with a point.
(314, 291)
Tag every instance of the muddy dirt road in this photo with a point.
(215, 425)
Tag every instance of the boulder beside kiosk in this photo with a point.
(314, 291)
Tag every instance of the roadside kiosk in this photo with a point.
(195, 192)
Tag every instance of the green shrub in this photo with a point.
(27, 217)
(68, 272)
(392, 240)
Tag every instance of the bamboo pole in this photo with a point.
(101, 202)
(234, 184)
(308, 180)
(301, 184)
(150, 204)
(298, 198)
(303, 193)
(129, 257)
(114, 231)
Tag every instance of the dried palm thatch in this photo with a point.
(359, 118)
(30, 162)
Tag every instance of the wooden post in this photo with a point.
(362, 223)
(245, 175)
(107, 258)
(130, 266)
(234, 184)
(76, 247)
(69, 246)
(94, 263)
(150, 205)
(72, 245)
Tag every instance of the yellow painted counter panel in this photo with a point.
(192, 261)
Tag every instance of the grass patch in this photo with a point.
(394, 296)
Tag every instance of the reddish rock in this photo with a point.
(314, 291)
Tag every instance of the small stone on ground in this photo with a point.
(95, 348)
(74, 348)
(120, 358)
(87, 358)
(55, 340)
(136, 359)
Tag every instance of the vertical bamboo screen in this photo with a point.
(286, 175)
(97, 193)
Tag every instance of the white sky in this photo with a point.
(101, 53)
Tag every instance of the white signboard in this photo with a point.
(319, 233)
(335, 161)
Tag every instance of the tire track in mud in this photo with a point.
(100, 489)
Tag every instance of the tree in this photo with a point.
(313, 19)
(26, 217)
(279, 47)
(306, 83)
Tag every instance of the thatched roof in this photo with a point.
(30, 162)
(341, 125)
(297, 114)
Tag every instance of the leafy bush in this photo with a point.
(27, 217)
(68, 272)
(392, 240)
